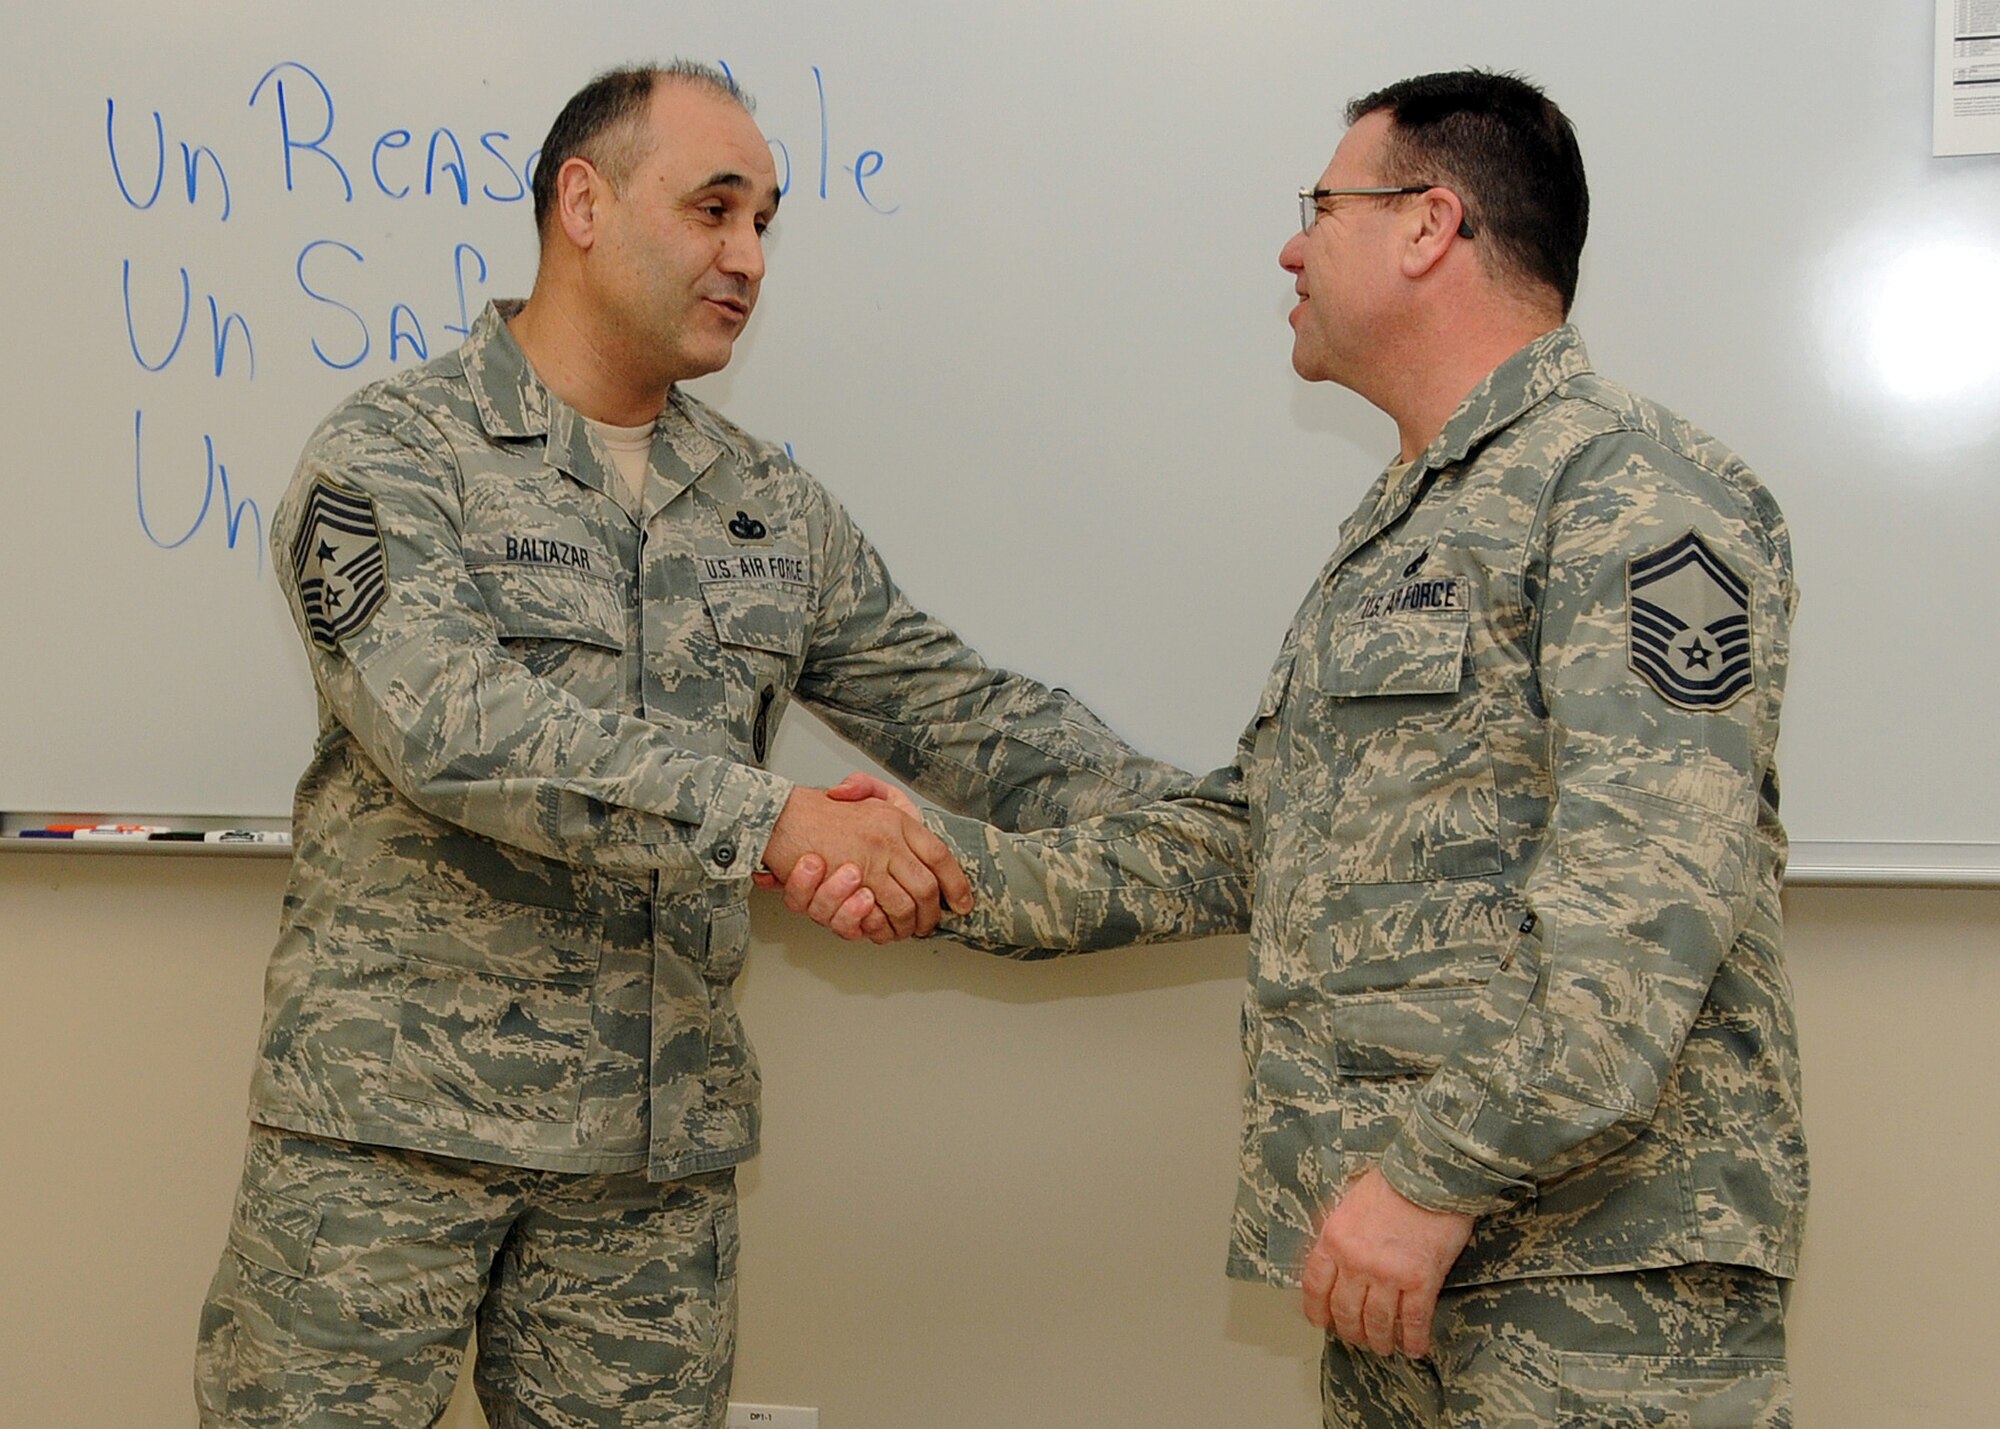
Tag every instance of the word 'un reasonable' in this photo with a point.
(305, 142)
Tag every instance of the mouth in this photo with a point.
(735, 309)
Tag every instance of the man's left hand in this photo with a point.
(1373, 1276)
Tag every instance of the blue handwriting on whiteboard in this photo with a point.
(191, 157)
(233, 512)
(866, 165)
(220, 328)
(406, 329)
(446, 170)
(294, 128)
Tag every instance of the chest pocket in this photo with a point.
(1413, 796)
(758, 615)
(760, 631)
(567, 626)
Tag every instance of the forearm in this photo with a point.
(1566, 1058)
(1180, 868)
(493, 750)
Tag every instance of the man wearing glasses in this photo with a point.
(1523, 1104)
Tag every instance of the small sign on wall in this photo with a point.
(1967, 87)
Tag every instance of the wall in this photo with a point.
(994, 1195)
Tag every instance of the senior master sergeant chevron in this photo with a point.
(554, 609)
(1505, 832)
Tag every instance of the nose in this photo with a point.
(1292, 257)
(743, 252)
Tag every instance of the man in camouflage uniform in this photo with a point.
(1505, 834)
(554, 609)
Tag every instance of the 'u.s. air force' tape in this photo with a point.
(337, 557)
(1687, 625)
(1439, 595)
(753, 566)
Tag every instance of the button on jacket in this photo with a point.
(526, 834)
(1505, 834)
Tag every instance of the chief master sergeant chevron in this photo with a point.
(1505, 832)
(554, 609)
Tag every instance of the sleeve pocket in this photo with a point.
(1395, 1034)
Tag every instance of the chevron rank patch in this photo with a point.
(1688, 625)
(337, 557)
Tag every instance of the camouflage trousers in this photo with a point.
(1692, 1347)
(354, 1274)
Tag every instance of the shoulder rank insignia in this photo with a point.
(337, 557)
(1687, 625)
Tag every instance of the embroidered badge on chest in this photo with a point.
(747, 525)
(1687, 625)
(337, 557)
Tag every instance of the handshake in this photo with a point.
(857, 859)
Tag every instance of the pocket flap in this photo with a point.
(1419, 654)
(551, 603)
(1400, 1033)
(274, 1231)
(520, 941)
(1273, 698)
(760, 615)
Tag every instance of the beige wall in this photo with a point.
(994, 1195)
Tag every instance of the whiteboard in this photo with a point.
(1024, 316)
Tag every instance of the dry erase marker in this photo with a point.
(116, 833)
(177, 836)
(247, 836)
(51, 832)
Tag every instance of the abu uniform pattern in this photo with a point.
(501, 1078)
(1513, 914)
(525, 838)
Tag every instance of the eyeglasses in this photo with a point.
(1309, 201)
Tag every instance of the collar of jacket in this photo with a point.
(512, 402)
(1509, 390)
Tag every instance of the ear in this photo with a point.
(1435, 220)
(579, 189)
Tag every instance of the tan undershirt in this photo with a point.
(629, 447)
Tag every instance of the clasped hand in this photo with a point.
(857, 859)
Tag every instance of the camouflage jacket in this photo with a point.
(525, 836)
(1505, 833)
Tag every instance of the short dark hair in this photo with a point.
(1509, 153)
(604, 122)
